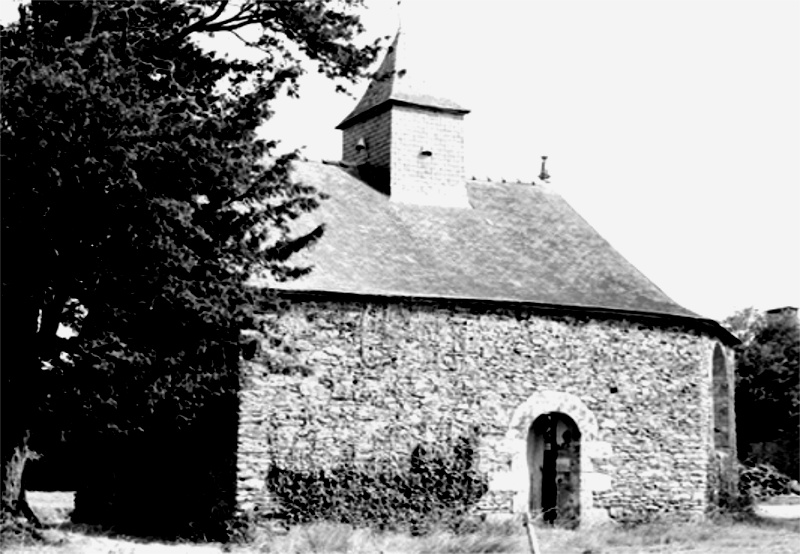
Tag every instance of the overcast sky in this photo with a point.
(672, 126)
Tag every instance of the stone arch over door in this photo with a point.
(546, 402)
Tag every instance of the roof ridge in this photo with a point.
(501, 180)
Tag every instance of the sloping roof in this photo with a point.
(393, 84)
(519, 243)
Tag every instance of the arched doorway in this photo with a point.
(554, 468)
(520, 443)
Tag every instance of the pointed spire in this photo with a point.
(395, 83)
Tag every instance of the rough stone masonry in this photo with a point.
(379, 378)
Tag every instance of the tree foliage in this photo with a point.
(139, 202)
(768, 389)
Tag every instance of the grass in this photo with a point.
(701, 538)
(335, 538)
(722, 537)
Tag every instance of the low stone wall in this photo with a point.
(373, 381)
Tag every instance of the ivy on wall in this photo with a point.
(438, 485)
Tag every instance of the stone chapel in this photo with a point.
(437, 303)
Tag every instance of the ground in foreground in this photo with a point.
(727, 537)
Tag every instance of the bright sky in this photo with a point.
(672, 126)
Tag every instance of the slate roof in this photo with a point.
(394, 85)
(518, 243)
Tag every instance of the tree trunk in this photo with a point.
(14, 502)
(19, 401)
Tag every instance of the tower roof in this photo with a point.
(396, 83)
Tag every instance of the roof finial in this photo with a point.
(544, 175)
(399, 16)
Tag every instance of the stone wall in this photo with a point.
(435, 179)
(421, 150)
(374, 380)
(376, 133)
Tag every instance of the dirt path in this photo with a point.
(778, 511)
(72, 542)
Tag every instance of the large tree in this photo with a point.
(768, 388)
(138, 201)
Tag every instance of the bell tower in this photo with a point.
(409, 143)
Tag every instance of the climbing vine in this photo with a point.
(438, 485)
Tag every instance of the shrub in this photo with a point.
(762, 481)
(439, 485)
